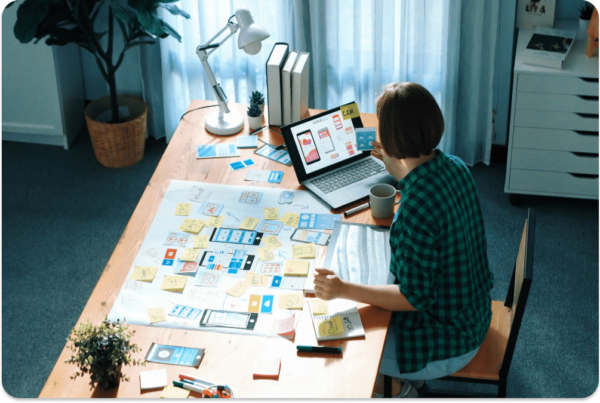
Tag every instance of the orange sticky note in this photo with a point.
(254, 303)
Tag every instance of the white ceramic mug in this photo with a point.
(381, 200)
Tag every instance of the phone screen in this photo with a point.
(325, 138)
(231, 319)
(309, 149)
(227, 235)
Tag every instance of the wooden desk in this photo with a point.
(229, 358)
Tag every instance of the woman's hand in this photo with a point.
(328, 285)
(377, 150)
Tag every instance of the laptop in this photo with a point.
(324, 155)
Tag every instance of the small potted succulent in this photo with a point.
(258, 98)
(585, 15)
(101, 351)
(254, 116)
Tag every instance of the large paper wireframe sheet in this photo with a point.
(235, 204)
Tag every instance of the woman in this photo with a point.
(441, 304)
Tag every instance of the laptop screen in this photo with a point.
(323, 140)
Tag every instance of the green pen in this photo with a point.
(317, 349)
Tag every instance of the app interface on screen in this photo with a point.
(325, 141)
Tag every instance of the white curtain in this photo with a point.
(356, 48)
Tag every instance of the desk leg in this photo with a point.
(387, 386)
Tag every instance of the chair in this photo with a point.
(492, 362)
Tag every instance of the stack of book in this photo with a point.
(287, 85)
(549, 47)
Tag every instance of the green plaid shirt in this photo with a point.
(439, 256)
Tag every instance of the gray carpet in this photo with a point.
(63, 214)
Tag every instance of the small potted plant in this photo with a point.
(101, 351)
(585, 15)
(258, 98)
(254, 116)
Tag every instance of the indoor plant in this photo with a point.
(119, 142)
(254, 116)
(585, 15)
(101, 351)
(258, 98)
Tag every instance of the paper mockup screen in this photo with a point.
(325, 141)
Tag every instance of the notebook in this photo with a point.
(347, 311)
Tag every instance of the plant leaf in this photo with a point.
(123, 11)
(173, 9)
(29, 15)
(136, 43)
(151, 23)
(170, 31)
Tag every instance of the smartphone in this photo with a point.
(241, 236)
(308, 146)
(240, 320)
(326, 140)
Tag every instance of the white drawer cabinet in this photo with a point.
(553, 144)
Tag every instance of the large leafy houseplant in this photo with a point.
(101, 351)
(74, 21)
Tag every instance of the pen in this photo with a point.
(317, 349)
(356, 209)
(257, 130)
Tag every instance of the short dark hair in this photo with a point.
(410, 121)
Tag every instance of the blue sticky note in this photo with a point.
(275, 176)
(167, 262)
(207, 151)
(237, 165)
(267, 304)
(248, 162)
(247, 141)
(364, 136)
(276, 282)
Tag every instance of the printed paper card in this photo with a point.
(271, 213)
(265, 254)
(249, 223)
(270, 268)
(275, 153)
(247, 141)
(143, 273)
(269, 227)
(212, 209)
(170, 253)
(177, 239)
(306, 251)
(252, 279)
(198, 195)
(238, 289)
(189, 255)
(264, 176)
(215, 221)
(201, 241)
(296, 268)
(186, 312)
(364, 137)
(254, 303)
(319, 307)
(290, 219)
(183, 209)
(292, 282)
(291, 301)
(186, 267)
(236, 166)
(272, 242)
(173, 283)
(319, 221)
(157, 315)
(331, 326)
(217, 150)
(192, 225)
(208, 279)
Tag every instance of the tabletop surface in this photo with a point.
(229, 358)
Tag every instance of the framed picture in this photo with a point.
(535, 13)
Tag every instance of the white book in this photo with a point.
(549, 47)
(274, 66)
(300, 75)
(349, 315)
(286, 87)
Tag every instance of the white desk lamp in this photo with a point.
(225, 122)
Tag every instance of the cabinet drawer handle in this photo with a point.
(586, 133)
(588, 115)
(586, 176)
(589, 80)
(588, 97)
(588, 155)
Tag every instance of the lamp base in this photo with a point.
(230, 123)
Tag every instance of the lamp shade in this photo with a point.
(251, 34)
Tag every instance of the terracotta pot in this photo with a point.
(118, 145)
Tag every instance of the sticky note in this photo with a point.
(192, 225)
(254, 303)
(296, 268)
(266, 368)
(156, 315)
(290, 219)
(200, 242)
(238, 289)
(271, 213)
(265, 280)
(306, 251)
(272, 242)
(173, 392)
(283, 326)
(319, 307)
(265, 254)
(291, 301)
(183, 209)
(350, 111)
(249, 223)
(143, 273)
(215, 221)
(173, 283)
(153, 379)
(252, 279)
(189, 255)
(331, 326)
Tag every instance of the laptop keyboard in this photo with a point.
(346, 176)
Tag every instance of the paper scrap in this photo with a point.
(306, 251)
(296, 268)
(350, 111)
(183, 209)
(238, 289)
(271, 213)
(331, 326)
(291, 301)
(249, 223)
(252, 279)
(200, 242)
(272, 242)
(173, 392)
(173, 283)
(143, 273)
(157, 315)
(267, 367)
(192, 225)
(319, 307)
(290, 219)
(283, 326)
(189, 255)
(215, 221)
(265, 254)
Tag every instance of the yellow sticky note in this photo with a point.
(238, 289)
(157, 315)
(192, 225)
(252, 279)
(215, 221)
(290, 219)
(291, 301)
(272, 242)
(143, 273)
(296, 268)
(331, 326)
(319, 307)
(173, 392)
(249, 223)
(350, 111)
(189, 255)
(306, 251)
(271, 213)
(264, 280)
(200, 242)
(183, 209)
(173, 283)
(265, 254)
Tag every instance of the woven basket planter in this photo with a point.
(118, 145)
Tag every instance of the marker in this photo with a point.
(257, 130)
(356, 209)
(196, 381)
(188, 386)
(317, 349)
